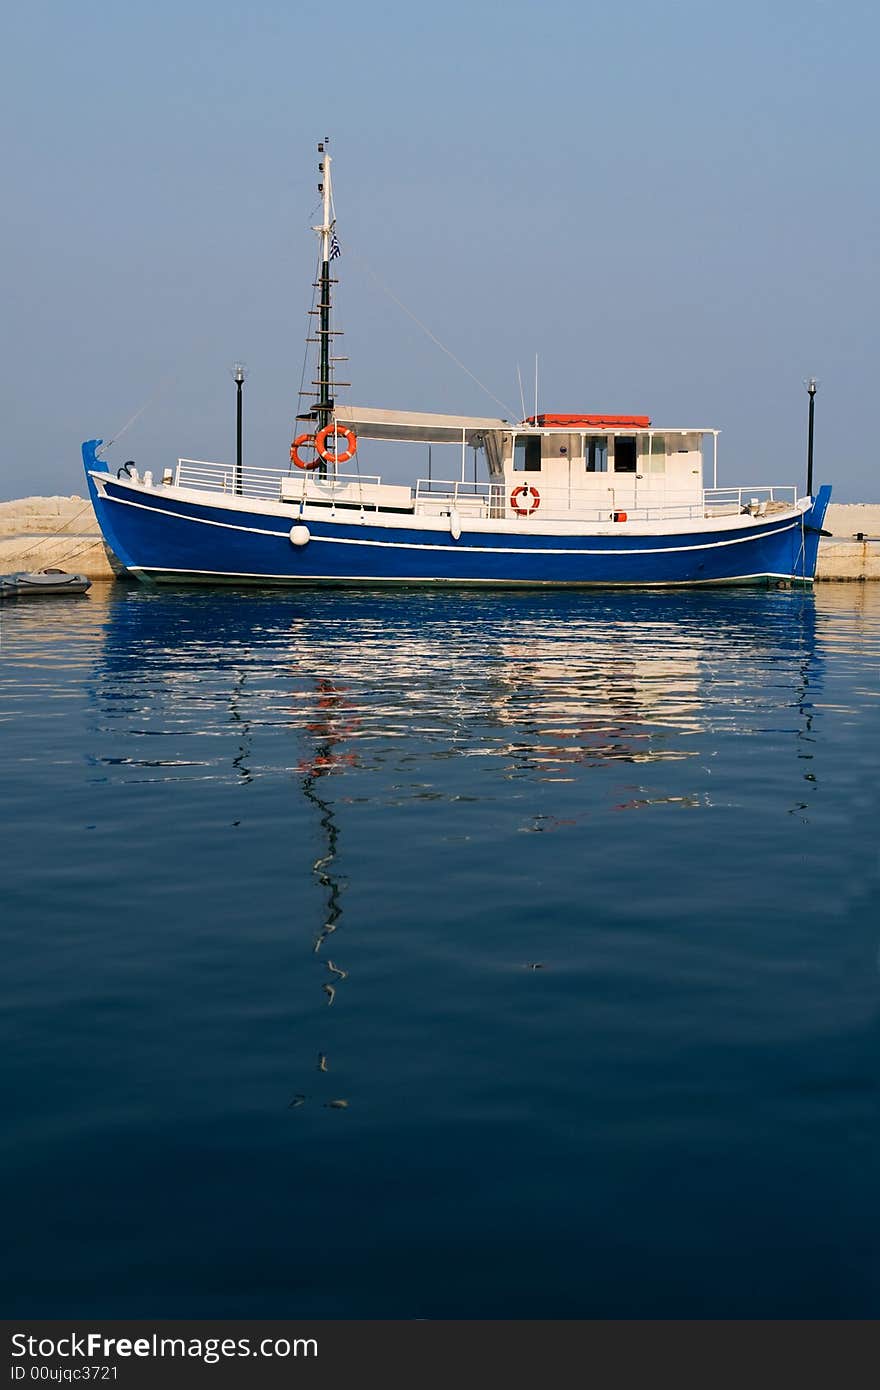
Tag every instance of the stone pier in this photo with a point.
(54, 533)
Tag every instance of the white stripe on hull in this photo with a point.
(459, 549)
(172, 576)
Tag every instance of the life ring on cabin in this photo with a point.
(328, 455)
(525, 490)
(294, 451)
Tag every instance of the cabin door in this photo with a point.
(625, 453)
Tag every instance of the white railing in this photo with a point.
(727, 501)
(261, 482)
(435, 497)
(486, 500)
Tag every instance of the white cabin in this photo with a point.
(556, 471)
(612, 469)
(557, 467)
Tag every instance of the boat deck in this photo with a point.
(483, 501)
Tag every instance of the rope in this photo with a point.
(60, 560)
(30, 550)
(510, 414)
(166, 381)
(87, 507)
(357, 462)
(302, 375)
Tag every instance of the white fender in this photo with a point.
(300, 535)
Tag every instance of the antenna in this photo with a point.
(522, 398)
(536, 388)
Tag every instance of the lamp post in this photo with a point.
(812, 387)
(239, 372)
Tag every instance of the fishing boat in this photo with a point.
(573, 498)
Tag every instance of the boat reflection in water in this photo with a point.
(322, 684)
(644, 658)
(386, 700)
(551, 683)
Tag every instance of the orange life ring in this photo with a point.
(527, 491)
(294, 451)
(328, 455)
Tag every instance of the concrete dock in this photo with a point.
(53, 532)
(61, 532)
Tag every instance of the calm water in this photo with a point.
(217, 803)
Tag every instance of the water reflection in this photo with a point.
(544, 682)
(240, 761)
(392, 699)
(668, 987)
(329, 729)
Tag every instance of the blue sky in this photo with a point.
(675, 205)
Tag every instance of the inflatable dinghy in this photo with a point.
(27, 584)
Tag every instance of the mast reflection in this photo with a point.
(329, 729)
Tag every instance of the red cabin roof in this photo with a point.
(601, 422)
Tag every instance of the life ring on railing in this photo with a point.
(294, 451)
(328, 455)
(525, 490)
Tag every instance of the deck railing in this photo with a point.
(489, 500)
(724, 501)
(486, 500)
(220, 477)
(435, 497)
(263, 482)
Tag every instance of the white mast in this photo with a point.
(323, 408)
(325, 229)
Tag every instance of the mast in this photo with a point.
(319, 412)
(324, 402)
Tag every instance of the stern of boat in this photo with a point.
(812, 533)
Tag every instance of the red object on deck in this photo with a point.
(600, 422)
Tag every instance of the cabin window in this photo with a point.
(560, 446)
(624, 453)
(596, 455)
(527, 453)
(653, 458)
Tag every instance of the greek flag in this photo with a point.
(335, 249)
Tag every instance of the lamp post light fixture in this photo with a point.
(812, 387)
(239, 372)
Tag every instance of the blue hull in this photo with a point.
(165, 538)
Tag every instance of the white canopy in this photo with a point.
(417, 427)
